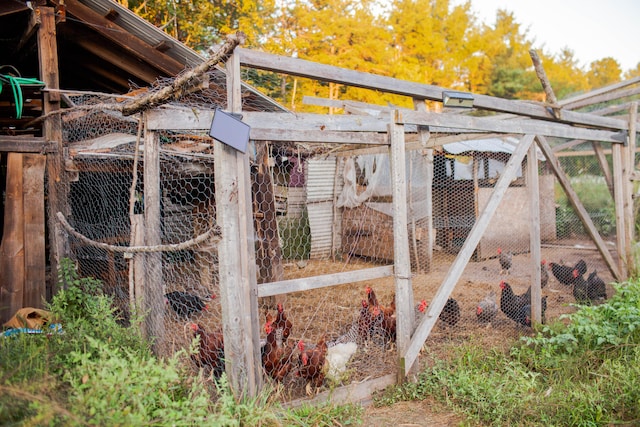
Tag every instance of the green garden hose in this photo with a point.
(16, 83)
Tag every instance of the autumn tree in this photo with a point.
(603, 72)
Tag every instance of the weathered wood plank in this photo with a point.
(428, 321)
(604, 164)
(352, 393)
(31, 144)
(516, 126)
(592, 97)
(57, 179)
(271, 126)
(314, 70)
(317, 282)
(401, 257)
(153, 293)
(533, 186)
(552, 161)
(619, 201)
(35, 288)
(12, 272)
(630, 167)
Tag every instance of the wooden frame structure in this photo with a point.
(393, 132)
(533, 122)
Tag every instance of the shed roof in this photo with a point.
(102, 47)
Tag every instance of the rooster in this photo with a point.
(369, 320)
(276, 360)
(450, 314)
(186, 304)
(372, 300)
(505, 259)
(210, 350)
(564, 273)
(487, 309)
(419, 310)
(510, 303)
(312, 363)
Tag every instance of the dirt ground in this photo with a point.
(332, 310)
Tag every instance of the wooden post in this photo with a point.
(238, 288)
(35, 290)
(630, 169)
(427, 153)
(57, 181)
(401, 261)
(154, 289)
(534, 230)
(619, 202)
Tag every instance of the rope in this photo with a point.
(215, 231)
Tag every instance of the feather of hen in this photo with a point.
(487, 308)
(337, 358)
(505, 259)
(210, 350)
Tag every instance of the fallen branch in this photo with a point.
(184, 81)
(546, 84)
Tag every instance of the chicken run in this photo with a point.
(327, 323)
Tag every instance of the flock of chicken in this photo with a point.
(376, 323)
(518, 307)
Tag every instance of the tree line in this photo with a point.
(424, 41)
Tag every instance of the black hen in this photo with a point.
(524, 315)
(562, 273)
(588, 291)
(450, 314)
(597, 287)
(185, 304)
(510, 303)
(581, 266)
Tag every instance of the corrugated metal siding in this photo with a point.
(321, 178)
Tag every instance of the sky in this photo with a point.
(592, 29)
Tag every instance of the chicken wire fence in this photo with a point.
(319, 211)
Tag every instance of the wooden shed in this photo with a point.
(87, 46)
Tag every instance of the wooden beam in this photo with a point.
(266, 125)
(588, 98)
(236, 255)
(314, 70)
(629, 190)
(456, 269)
(57, 180)
(516, 126)
(401, 259)
(619, 201)
(26, 144)
(604, 164)
(35, 265)
(123, 38)
(553, 163)
(155, 290)
(352, 393)
(317, 282)
(533, 186)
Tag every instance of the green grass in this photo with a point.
(100, 373)
(585, 373)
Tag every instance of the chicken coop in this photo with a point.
(324, 257)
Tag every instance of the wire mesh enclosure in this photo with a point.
(486, 229)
